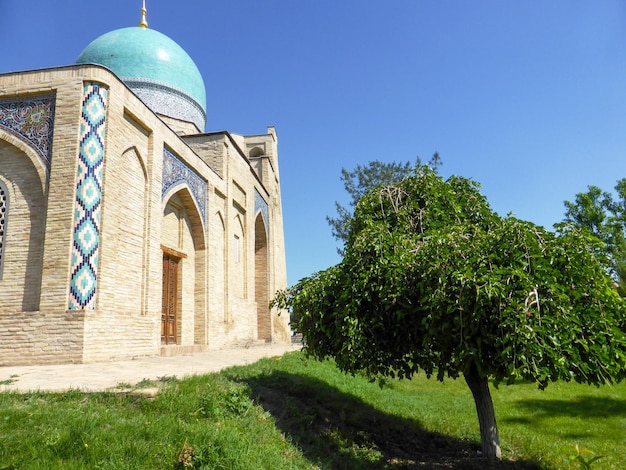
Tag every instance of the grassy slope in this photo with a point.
(292, 413)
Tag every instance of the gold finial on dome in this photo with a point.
(143, 23)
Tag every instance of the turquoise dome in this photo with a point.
(157, 69)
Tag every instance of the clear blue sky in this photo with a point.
(528, 98)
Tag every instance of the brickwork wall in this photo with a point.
(200, 321)
(117, 335)
(40, 338)
(211, 149)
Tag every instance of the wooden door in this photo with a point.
(169, 309)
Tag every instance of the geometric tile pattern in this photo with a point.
(176, 172)
(4, 216)
(261, 205)
(165, 99)
(31, 119)
(86, 238)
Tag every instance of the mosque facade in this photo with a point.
(125, 229)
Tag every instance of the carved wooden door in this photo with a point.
(169, 309)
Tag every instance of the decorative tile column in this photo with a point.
(87, 205)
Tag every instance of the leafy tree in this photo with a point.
(619, 267)
(434, 280)
(604, 216)
(363, 178)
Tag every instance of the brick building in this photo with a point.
(125, 230)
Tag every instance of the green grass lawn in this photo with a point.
(293, 413)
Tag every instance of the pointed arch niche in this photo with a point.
(183, 312)
(24, 227)
(218, 266)
(128, 200)
(261, 280)
(239, 260)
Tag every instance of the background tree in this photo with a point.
(605, 216)
(434, 280)
(363, 178)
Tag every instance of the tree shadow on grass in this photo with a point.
(336, 430)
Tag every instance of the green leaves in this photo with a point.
(365, 178)
(604, 216)
(433, 279)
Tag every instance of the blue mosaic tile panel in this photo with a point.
(176, 172)
(86, 239)
(31, 118)
(261, 205)
(164, 99)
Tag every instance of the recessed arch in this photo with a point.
(220, 218)
(125, 214)
(256, 152)
(183, 243)
(33, 156)
(219, 264)
(239, 258)
(24, 233)
(240, 234)
(261, 280)
(184, 191)
(134, 152)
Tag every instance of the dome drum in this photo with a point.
(164, 99)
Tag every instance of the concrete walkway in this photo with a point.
(106, 375)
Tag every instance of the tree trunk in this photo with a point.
(486, 414)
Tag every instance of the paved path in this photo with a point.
(104, 375)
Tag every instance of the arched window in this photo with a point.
(257, 152)
(4, 215)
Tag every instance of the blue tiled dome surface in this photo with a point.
(155, 67)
